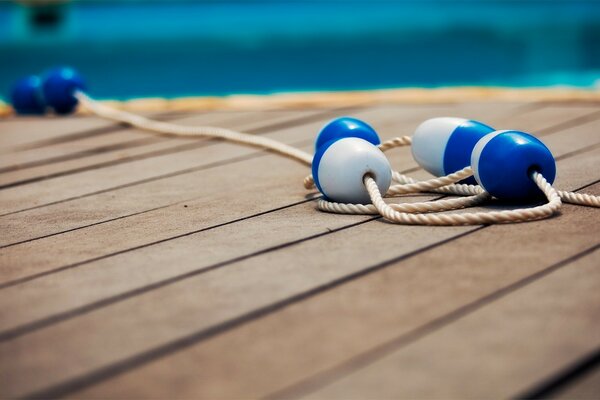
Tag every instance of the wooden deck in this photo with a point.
(133, 266)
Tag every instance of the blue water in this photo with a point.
(174, 48)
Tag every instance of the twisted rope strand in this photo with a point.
(395, 142)
(475, 218)
(164, 128)
(401, 213)
(580, 198)
(424, 186)
(460, 189)
(469, 190)
(309, 182)
(421, 207)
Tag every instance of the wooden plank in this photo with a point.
(55, 151)
(58, 252)
(12, 257)
(21, 134)
(513, 342)
(106, 205)
(550, 119)
(124, 145)
(577, 377)
(92, 149)
(218, 296)
(25, 132)
(307, 340)
(75, 185)
(584, 387)
(253, 279)
(283, 190)
(126, 136)
(433, 112)
(131, 144)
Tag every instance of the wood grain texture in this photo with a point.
(122, 146)
(20, 230)
(523, 337)
(70, 247)
(83, 246)
(153, 278)
(296, 344)
(27, 132)
(62, 188)
(585, 387)
(54, 252)
(101, 180)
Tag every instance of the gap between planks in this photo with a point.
(175, 348)
(92, 154)
(100, 255)
(62, 185)
(168, 175)
(78, 262)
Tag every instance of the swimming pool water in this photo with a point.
(174, 48)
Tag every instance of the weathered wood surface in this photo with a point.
(138, 266)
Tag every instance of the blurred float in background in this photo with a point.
(164, 48)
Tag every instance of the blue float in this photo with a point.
(59, 87)
(340, 165)
(503, 162)
(26, 96)
(443, 145)
(346, 127)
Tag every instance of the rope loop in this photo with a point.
(420, 213)
(468, 218)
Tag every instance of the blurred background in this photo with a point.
(170, 48)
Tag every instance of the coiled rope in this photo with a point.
(422, 213)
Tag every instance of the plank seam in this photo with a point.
(119, 367)
(205, 142)
(146, 138)
(94, 224)
(570, 123)
(80, 154)
(567, 124)
(66, 138)
(194, 169)
(55, 318)
(564, 378)
(130, 249)
(362, 360)
(170, 150)
(577, 152)
(86, 133)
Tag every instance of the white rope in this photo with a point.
(455, 188)
(413, 187)
(421, 213)
(164, 128)
(580, 198)
(474, 218)
(422, 207)
(431, 184)
(395, 142)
